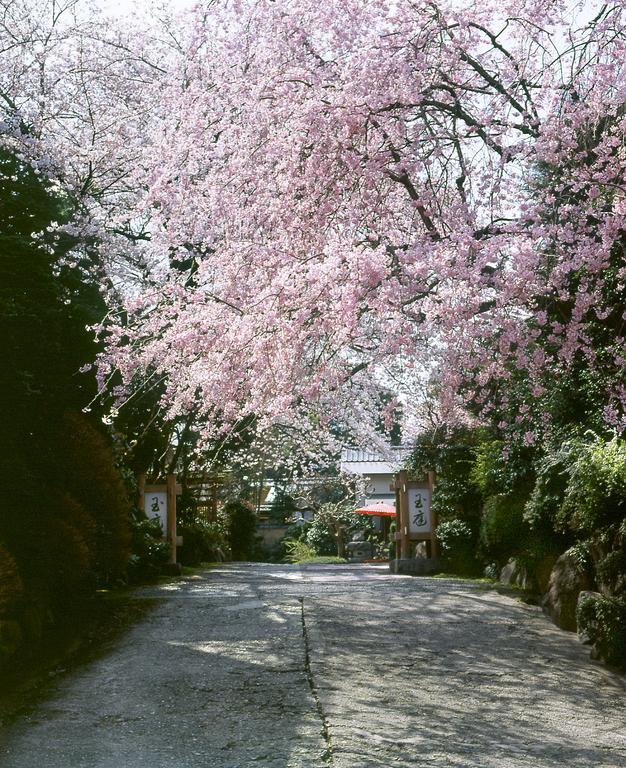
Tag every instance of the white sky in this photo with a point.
(133, 6)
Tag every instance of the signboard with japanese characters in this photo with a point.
(415, 518)
(158, 501)
(155, 506)
(419, 510)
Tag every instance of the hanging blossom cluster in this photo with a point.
(77, 94)
(334, 198)
(338, 187)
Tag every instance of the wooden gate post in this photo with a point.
(141, 487)
(434, 545)
(158, 501)
(403, 513)
(171, 515)
(414, 514)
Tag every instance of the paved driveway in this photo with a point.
(304, 667)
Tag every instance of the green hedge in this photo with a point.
(458, 545)
(603, 620)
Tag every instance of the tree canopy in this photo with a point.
(304, 204)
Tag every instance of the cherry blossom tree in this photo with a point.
(77, 91)
(347, 194)
(325, 200)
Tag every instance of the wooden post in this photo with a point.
(434, 545)
(141, 486)
(397, 531)
(415, 525)
(403, 514)
(213, 508)
(171, 515)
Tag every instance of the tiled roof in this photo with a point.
(394, 455)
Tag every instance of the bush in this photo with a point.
(499, 470)
(282, 508)
(203, 541)
(53, 548)
(150, 551)
(603, 619)
(451, 455)
(541, 509)
(241, 528)
(611, 568)
(595, 495)
(503, 531)
(10, 581)
(298, 551)
(96, 484)
(458, 544)
(320, 538)
(297, 531)
(331, 517)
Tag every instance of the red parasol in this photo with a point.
(378, 509)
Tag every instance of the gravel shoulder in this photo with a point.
(313, 666)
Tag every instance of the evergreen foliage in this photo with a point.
(241, 527)
(65, 517)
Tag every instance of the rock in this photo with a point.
(567, 581)
(421, 549)
(515, 574)
(535, 580)
(491, 571)
(542, 571)
(507, 574)
(359, 550)
(585, 619)
(416, 566)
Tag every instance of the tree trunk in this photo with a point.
(340, 544)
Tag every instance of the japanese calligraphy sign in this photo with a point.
(416, 519)
(155, 506)
(159, 503)
(419, 517)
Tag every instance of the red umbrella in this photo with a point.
(378, 509)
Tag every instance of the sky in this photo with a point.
(132, 6)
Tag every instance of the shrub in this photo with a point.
(97, 485)
(282, 508)
(320, 538)
(603, 619)
(501, 470)
(503, 530)
(541, 509)
(595, 495)
(458, 544)
(10, 581)
(297, 532)
(241, 528)
(203, 541)
(330, 518)
(53, 549)
(299, 551)
(611, 568)
(150, 551)
(450, 454)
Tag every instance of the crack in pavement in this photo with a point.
(328, 754)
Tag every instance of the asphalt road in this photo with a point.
(308, 667)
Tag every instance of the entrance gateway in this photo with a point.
(416, 520)
(158, 501)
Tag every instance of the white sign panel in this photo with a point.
(155, 505)
(419, 510)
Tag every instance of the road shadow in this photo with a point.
(442, 672)
(212, 676)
